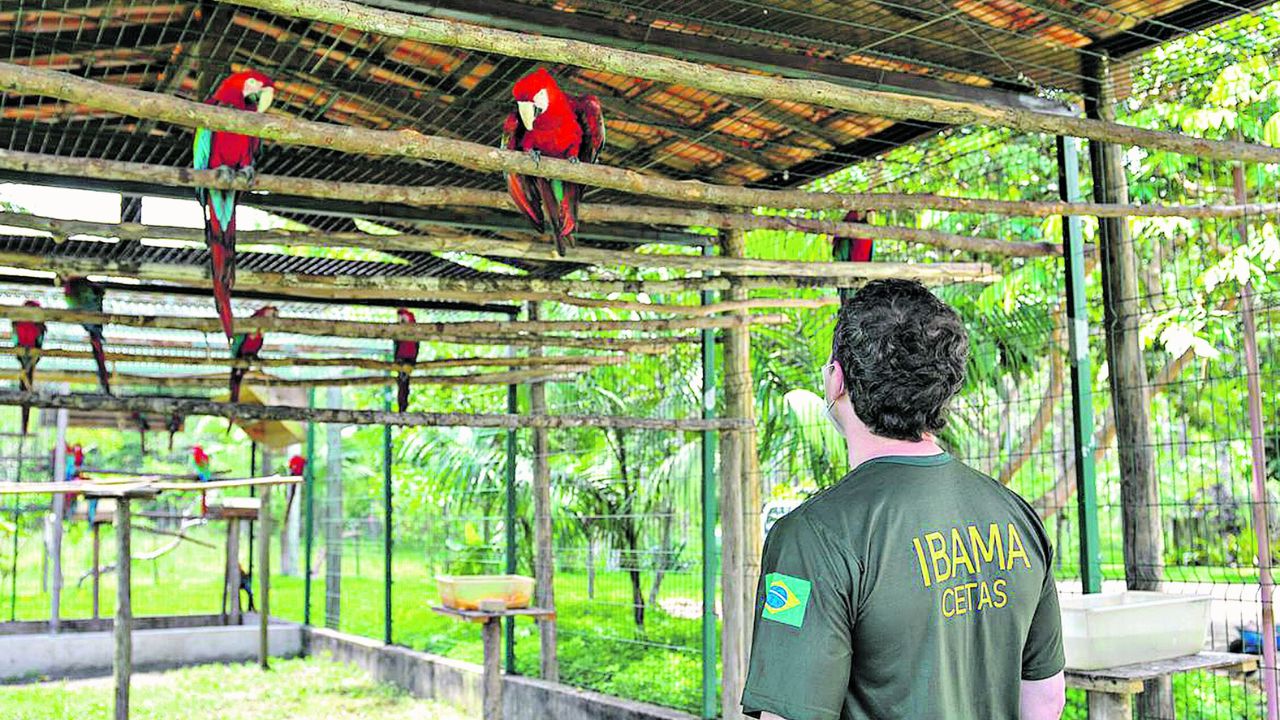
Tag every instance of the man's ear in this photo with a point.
(837, 374)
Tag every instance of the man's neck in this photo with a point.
(865, 445)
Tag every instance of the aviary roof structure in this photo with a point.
(993, 51)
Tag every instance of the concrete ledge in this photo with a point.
(80, 654)
(458, 683)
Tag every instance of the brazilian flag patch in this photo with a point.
(785, 599)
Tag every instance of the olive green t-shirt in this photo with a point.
(916, 588)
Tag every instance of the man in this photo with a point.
(917, 588)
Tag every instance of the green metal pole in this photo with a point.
(308, 487)
(513, 407)
(710, 566)
(386, 526)
(1081, 370)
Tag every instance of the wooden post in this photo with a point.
(739, 503)
(1111, 706)
(544, 558)
(54, 548)
(492, 669)
(264, 578)
(333, 520)
(124, 616)
(232, 591)
(97, 565)
(1130, 390)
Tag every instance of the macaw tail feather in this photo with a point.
(92, 512)
(237, 377)
(99, 356)
(27, 379)
(402, 391)
(143, 427)
(222, 255)
(204, 503)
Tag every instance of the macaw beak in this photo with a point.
(528, 113)
(265, 96)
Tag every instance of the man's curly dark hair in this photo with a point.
(904, 354)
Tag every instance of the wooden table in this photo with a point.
(1111, 690)
(492, 633)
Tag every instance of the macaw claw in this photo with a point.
(248, 173)
(536, 155)
(225, 173)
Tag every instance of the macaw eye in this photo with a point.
(252, 86)
(541, 100)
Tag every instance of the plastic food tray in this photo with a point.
(1112, 629)
(466, 592)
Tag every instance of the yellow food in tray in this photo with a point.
(466, 592)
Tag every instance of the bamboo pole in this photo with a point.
(352, 288)
(247, 412)
(875, 103)
(411, 144)
(123, 630)
(561, 373)
(539, 250)
(354, 362)
(264, 579)
(443, 196)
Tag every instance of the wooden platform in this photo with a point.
(1111, 690)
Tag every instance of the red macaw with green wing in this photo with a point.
(229, 154)
(548, 122)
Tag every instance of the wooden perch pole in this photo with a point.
(875, 103)
(540, 250)
(27, 80)
(382, 286)
(355, 362)
(246, 412)
(443, 196)
(434, 196)
(554, 373)
(423, 331)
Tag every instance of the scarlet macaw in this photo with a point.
(230, 155)
(852, 249)
(548, 122)
(297, 465)
(406, 354)
(204, 473)
(28, 337)
(246, 347)
(84, 294)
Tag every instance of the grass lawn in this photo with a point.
(600, 647)
(313, 689)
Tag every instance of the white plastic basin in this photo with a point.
(1111, 629)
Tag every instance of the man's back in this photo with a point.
(916, 588)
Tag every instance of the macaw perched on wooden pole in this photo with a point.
(246, 346)
(84, 294)
(229, 154)
(548, 122)
(406, 353)
(28, 337)
(204, 473)
(852, 249)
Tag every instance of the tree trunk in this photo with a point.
(637, 591)
(1130, 390)
(664, 556)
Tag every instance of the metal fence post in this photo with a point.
(308, 483)
(1081, 370)
(710, 566)
(386, 525)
